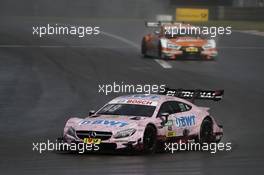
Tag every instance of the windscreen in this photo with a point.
(127, 110)
(175, 33)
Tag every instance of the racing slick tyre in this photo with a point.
(149, 140)
(206, 131)
(143, 48)
(214, 58)
(160, 54)
(160, 51)
(211, 58)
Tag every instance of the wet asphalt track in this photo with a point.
(41, 87)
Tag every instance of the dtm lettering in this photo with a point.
(185, 121)
(103, 122)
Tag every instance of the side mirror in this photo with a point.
(92, 112)
(164, 117)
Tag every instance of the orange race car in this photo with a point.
(177, 40)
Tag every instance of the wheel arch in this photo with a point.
(151, 125)
(209, 118)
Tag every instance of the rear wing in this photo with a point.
(214, 95)
(152, 24)
(158, 23)
(160, 20)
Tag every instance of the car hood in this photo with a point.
(107, 123)
(188, 41)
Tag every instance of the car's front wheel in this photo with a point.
(160, 51)
(149, 140)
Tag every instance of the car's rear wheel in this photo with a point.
(149, 140)
(206, 131)
(160, 51)
(144, 47)
(209, 58)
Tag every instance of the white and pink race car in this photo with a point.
(143, 122)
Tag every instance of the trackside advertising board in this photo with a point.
(191, 14)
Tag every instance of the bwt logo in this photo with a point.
(185, 121)
(104, 122)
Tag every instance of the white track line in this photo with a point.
(164, 64)
(89, 46)
(51, 46)
(124, 40)
(36, 46)
(252, 32)
(241, 47)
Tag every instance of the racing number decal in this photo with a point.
(96, 141)
(91, 141)
(191, 49)
(88, 140)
